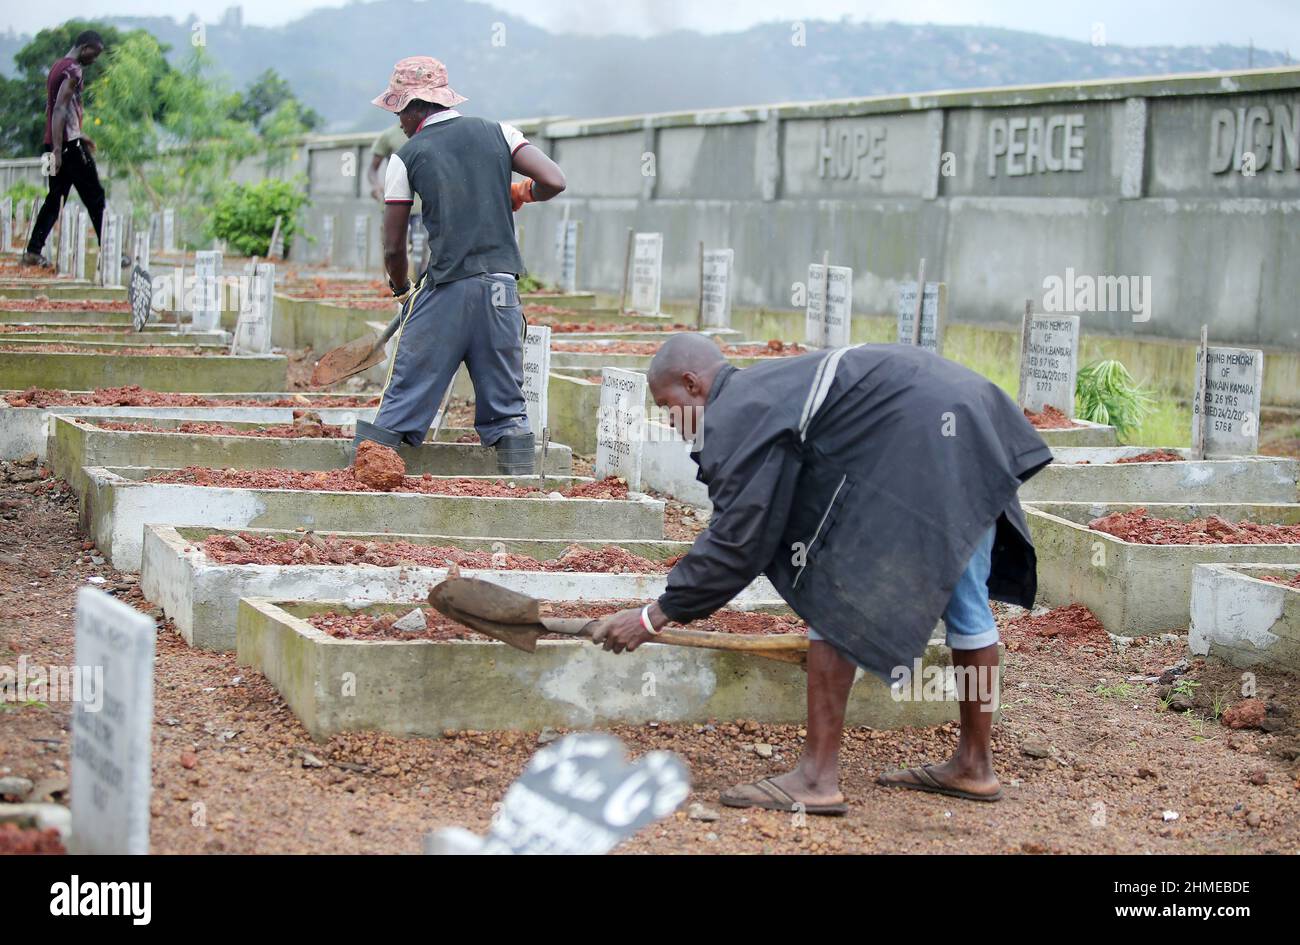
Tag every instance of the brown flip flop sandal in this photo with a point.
(923, 780)
(776, 798)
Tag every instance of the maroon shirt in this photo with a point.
(70, 69)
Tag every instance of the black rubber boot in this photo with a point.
(380, 435)
(515, 454)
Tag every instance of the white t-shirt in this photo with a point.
(397, 185)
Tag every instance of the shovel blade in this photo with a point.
(346, 360)
(490, 601)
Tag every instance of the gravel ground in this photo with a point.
(1090, 755)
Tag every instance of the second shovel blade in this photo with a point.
(346, 360)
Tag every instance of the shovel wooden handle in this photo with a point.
(787, 647)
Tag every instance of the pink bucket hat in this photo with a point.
(421, 77)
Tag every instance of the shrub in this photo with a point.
(245, 214)
(1105, 392)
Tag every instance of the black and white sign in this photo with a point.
(1233, 386)
(647, 272)
(140, 294)
(110, 249)
(111, 773)
(828, 326)
(716, 289)
(579, 795)
(1051, 363)
(933, 307)
(537, 371)
(620, 426)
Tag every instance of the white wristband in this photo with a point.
(645, 620)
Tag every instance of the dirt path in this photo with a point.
(1090, 761)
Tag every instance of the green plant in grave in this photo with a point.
(1105, 392)
(245, 214)
(23, 191)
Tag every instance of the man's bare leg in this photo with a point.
(971, 766)
(816, 778)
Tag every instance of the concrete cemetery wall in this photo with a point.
(998, 189)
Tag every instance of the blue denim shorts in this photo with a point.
(968, 617)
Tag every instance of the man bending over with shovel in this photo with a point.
(465, 306)
(875, 487)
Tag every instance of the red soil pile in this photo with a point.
(1153, 456)
(343, 480)
(378, 466)
(110, 332)
(136, 396)
(1074, 625)
(42, 304)
(339, 289)
(1285, 582)
(1139, 527)
(584, 328)
(15, 839)
(330, 549)
(1050, 419)
(361, 626)
(306, 425)
(770, 349)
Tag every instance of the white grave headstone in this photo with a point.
(717, 287)
(169, 230)
(110, 249)
(327, 239)
(931, 315)
(647, 272)
(79, 249)
(276, 249)
(253, 329)
(1233, 388)
(620, 426)
(566, 254)
(111, 775)
(140, 252)
(1052, 363)
(537, 371)
(207, 290)
(66, 217)
(828, 325)
(33, 212)
(7, 223)
(361, 240)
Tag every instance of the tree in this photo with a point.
(266, 96)
(23, 98)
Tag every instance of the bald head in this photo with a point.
(681, 376)
(683, 353)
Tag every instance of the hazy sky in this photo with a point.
(1272, 24)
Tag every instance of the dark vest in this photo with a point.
(461, 170)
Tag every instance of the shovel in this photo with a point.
(516, 619)
(355, 356)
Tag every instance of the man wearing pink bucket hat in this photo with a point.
(464, 307)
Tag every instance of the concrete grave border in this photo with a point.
(1243, 620)
(118, 503)
(1237, 479)
(201, 596)
(426, 688)
(1136, 589)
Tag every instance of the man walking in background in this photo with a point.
(71, 160)
(465, 306)
(385, 145)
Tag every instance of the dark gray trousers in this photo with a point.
(477, 320)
